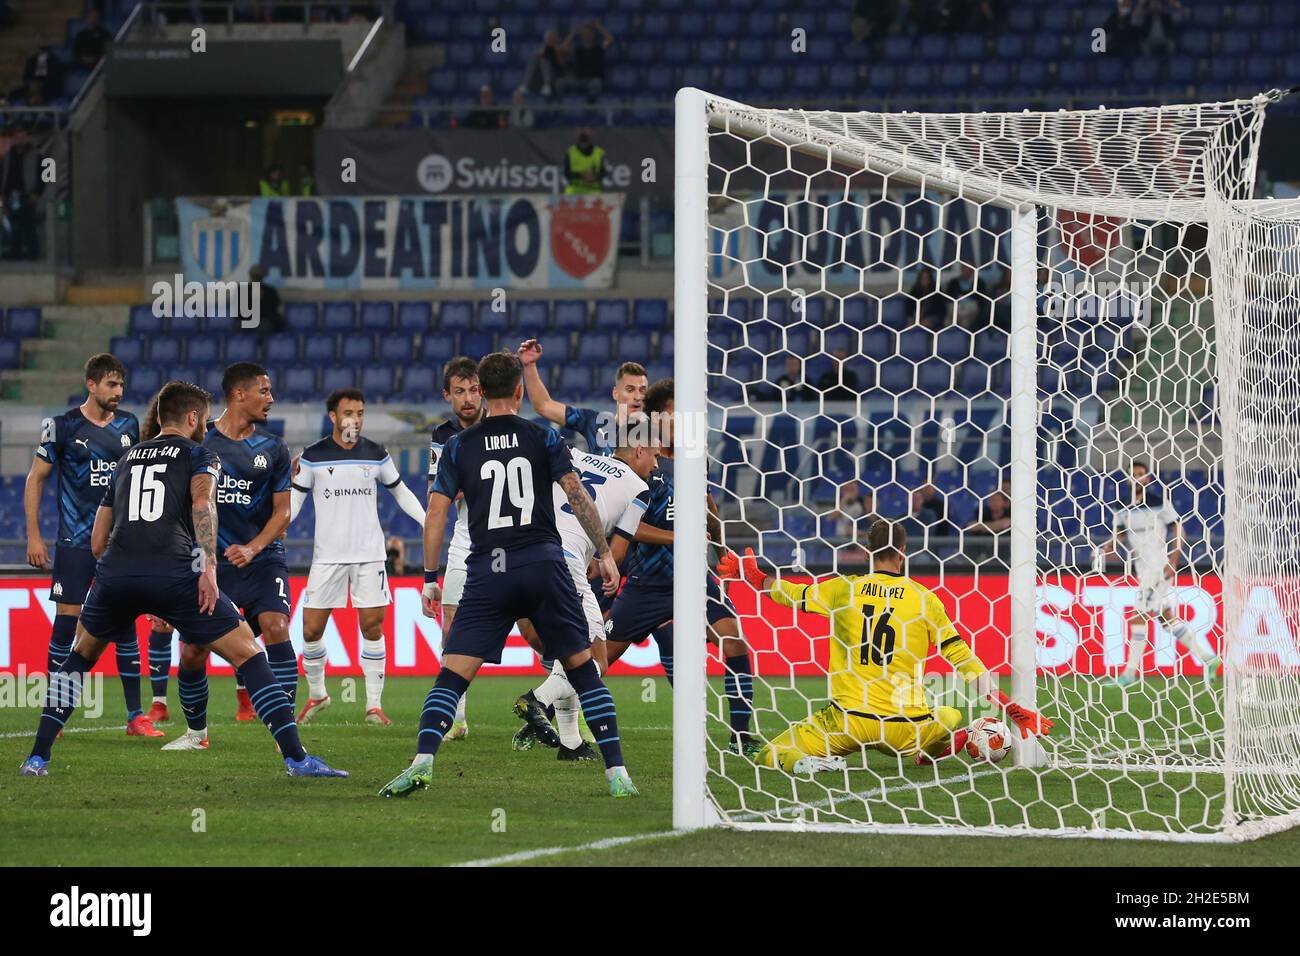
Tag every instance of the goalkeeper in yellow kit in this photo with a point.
(883, 625)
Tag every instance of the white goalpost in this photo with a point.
(980, 326)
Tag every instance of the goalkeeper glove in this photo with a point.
(733, 565)
(1028, 721)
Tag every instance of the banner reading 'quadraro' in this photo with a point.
(517, 241)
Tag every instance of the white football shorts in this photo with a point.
(328, 585)
(1153, 595)
(590, 607)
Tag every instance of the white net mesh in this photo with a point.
(860, 317)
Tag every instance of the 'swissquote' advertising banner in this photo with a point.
(1082, 625)
(513, 241)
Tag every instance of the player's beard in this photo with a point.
(200, 430)
(350, 432)
(108, 404)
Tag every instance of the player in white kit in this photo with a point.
(1154, 535)
(340, 472)
(460, 390)
(617, 485)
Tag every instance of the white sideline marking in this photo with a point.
(605, 844)
(66, 730)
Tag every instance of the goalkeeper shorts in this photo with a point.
(834, 732)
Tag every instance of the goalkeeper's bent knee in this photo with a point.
(950, 717)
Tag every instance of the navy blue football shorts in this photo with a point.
(643, 607)
(114, 603)
(258, 588)
(74, 569)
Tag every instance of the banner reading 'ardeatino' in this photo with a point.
(517, 241)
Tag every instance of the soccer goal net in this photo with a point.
(1058, 349)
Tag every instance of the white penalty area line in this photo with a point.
(523, 856)
(67, 730)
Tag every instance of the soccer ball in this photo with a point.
(989, 740)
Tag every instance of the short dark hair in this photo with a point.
(462, 366)
(658, 395)
(97, 366)
(239, 375)
(630, 368)
(885, 536)
(339, 394)
(1141, 463)
(499, 374)
(177, 399)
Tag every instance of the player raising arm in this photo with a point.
(883, 625)
(630, 384)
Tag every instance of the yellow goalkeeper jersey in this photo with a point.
(883, 626)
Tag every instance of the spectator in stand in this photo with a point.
(855, 511)
(270, 318)
(872, 19)
(1159, 22)
(543, 65)
(588, 74)
(933, 310)
(839, 384)
(791, 385)
(521, 114)
(997, 298)
(487, 115)
(930, 511)
(931, 16)
(995, 516)
(273, 183)
(1122, 35)
(584, 165)
(306, 180)
(45, 71)
(396, 550)
(20, 185)
(89, 43)
(980, 16)
(961, 290)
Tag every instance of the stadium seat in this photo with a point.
(280, 349)
(575, 380)
(414, 316)
(570, 315)
(476, 344)
(419, 383)
(210, 379)
(144, 383)
(184, 373)
(301, 317)
(181, 324)
(203, 350)
(143, 321)
(396, 347)
(338, 376)
(532, 315)
(298, 383)
(165, 350)
(23, 322)
(338, 316)
(377, 380)
(220, 324)
(357, 349)
(492, 320)
(128, 349)
(437, 348)
(377, 316)
(650, 314)
(240, 348)
(595, 347)
(456, 316)
(11, 351)
(611, 315)
(319, 349)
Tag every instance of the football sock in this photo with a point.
(598, 708)
(566, 721)
(160, 662)
(61, 699)
(128, 669)
(374, 661)
(313, 665)
(62, 634)
(284, 665)
(738, 685)
(664, 638)
(1196, 645)
(272, 705)
(554, 688)
(460, 708)
(548, 664)
(192, 687)
(1137, 648)
(440, 710)
(239, 684)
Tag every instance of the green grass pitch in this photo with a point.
(114, 800)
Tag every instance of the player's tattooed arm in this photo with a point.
(585, 511)
(203, 510)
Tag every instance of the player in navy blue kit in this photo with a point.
(645, 605)
(252, 511)
(596, 428)
(505, 465)
(155, 534)
(83, 446)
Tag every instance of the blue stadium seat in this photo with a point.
(181, 324)
(532, 314)
(220, 324)
(633, 347)
(128, 349)
(143, 383)
(650, 314)
(437, 348)
(419, 383)
(298, 383)
(490, 320)
(23, 322)
(414, 316)
(357, 349)
(377, 380)
(165, 350)
(377, 316)
(476, 344)
(611, 314)
(11, 353)
(396, 347)
(575, 379)
(555, 347)
(319, 349)
(456, 316)
(240, 348)
(301, 317)
(595, 347)
(570, 315)
(184, 373)
(210, 378)
(338, 316)
(203, 350)
(338, 376)
(143, 321)
(280, 349)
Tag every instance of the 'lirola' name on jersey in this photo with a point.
(506, 465)
(153, 523)
(654, 562)
(85, 456)
(342, 485)
(253, 470)
(620, 497)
